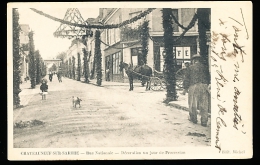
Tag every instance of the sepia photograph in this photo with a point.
(112, 81)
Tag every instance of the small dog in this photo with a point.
(76, 101)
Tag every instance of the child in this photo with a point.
(44, 89)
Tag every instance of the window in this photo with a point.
(116, 62)
(175, 26)
(135, 56)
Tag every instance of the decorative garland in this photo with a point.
(32, 70)
(73, 67)
(56, 34)
(113, 46)
(169, 68)
(79, 68)
(191, 24)
(202, 35)
(16, 59)
(70, 70)
(144, 37)
(38, 67)
(86, 69)
(98, 58)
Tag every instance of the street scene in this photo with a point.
(111, 77)
(109, 116)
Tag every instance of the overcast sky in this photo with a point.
(44, 41)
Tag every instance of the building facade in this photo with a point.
(24, 45)
(124, 44)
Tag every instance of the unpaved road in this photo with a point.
(110, 116)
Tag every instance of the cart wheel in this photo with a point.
(163, 84)
(156, 84)
(179, 84)
(179, 78)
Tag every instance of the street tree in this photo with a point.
(73, 67)
(203, 25)
(38, 67)
(62, 56)
(32, 66)
(170, 61)
(79, 68)
(16, 59)
(98, 58)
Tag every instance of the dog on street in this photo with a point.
(76, 101)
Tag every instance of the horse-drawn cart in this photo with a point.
(157, 82)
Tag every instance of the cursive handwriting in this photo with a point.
(237, 117)
(236, 72)
(236, 47)
(221, 77)
(221, 109)
(219, 123)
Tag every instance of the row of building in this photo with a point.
(123, 44)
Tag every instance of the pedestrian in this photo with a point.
(44, 89)
(186, 66)
(107, 74)
(50, 77)
(196, 83)
(59, 76)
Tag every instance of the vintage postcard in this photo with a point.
(129, 80)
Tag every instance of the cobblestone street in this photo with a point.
(110, 116)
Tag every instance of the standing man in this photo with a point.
(196, 83)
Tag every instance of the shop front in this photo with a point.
(183, 50)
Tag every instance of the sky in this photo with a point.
(44, 41)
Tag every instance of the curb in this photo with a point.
(178, 106)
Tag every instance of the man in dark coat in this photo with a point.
(196, 83)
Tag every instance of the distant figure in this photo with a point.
(59, 76)
(196, 82)
(44, 89)
(50, 77)
(107, 74)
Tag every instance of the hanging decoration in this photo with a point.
(32, 69)
(70, 68)
(16, 59)
(144, 38)
(98, 58)
(86, 69)
(203, 25)
(38, 67)
(114, 46)
(73, 67)
(169, 62)
(141, 15)
(79, 68)
(186, 29)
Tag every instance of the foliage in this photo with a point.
(16, 59)
(70, 68)
(32, 66)
(98, 58)
(86, 67)
(170, 61)
(38, 67)
(130, 34)
(53, 68)
(79, 68)
(145, 38)
(61, 56)
(203, 25)
(73, 67)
